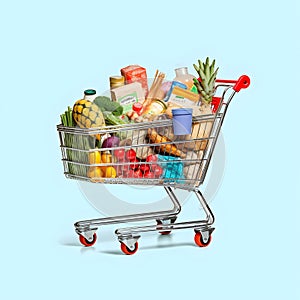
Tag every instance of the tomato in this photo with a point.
(119, 154)
(130, 174)
(144, 168)
(135, 163)
(134, 174)
(149, 175)
(130, 155)
(153, 166)
(158, 171)
(138, 173)
(152, 158)
(122, 170)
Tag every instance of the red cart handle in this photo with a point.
(242, 83)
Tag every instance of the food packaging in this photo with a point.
(183, 97)
(127, 95)
(182, 121)
(136, 73)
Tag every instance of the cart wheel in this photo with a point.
(85, 242)
(128, 251)
(159, 222)
(199, 240)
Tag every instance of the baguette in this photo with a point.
(171, 149)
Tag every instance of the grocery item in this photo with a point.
(155, 107)
(182, 121)
(192, 168)
(138, 137)
(183, 98)
(172, 168)
(105, 104)
(67, 118)
(89, 94)
(206, 88)
(183, 76)
(94, 157)
(95, 173)
(137, 107)
(154, 92)
(206, 85)
(116, 81)
(136, 73)
(171, 149)
(127, 95)
(110, 172)
(111, 119)
(173, 84)
(87, 114)
(110, 142)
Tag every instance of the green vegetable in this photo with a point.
(111, 119)
(67, 118)
(105, 104)
(83, 142)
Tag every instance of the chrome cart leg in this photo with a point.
(165, 216)
(87, 229)
(210, 217)
(202, 228)
(203, 233)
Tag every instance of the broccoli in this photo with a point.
(105, 104)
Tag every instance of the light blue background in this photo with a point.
(52, 50)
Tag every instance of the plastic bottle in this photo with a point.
(137, 107)
(183, 76)
(89, 94)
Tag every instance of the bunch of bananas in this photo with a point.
(208, 75)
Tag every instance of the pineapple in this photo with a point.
(87, 114)
(206, 89)
(206, 86)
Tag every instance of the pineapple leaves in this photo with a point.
(208, 75)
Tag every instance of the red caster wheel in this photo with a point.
(85, 242)
(128, 251)
(199, 240)
(159, 222)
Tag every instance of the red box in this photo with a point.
(136, 73)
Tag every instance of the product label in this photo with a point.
(181, 101)
(127, 101)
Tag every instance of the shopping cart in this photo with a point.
(148, 153)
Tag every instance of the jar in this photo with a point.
(89, 94)
(116, 81)
(156, 107)
(183, 76)
(137, 107)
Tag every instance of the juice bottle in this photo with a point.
(183, 76)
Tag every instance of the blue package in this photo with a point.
(172, 167)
